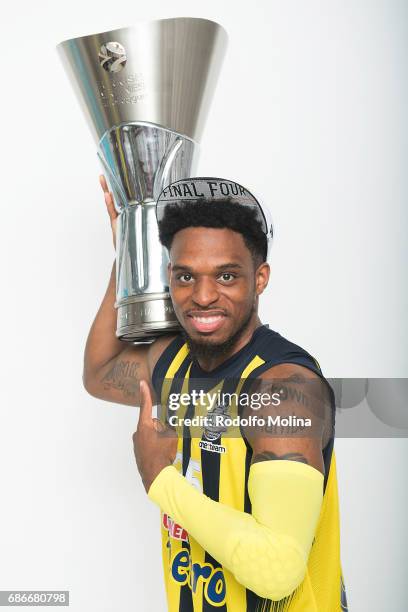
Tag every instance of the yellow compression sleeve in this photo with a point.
(267, 550)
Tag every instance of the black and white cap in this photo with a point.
(214, 189)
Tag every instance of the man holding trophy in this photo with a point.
(249, 515)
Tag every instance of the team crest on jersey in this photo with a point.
(215, 426)
(214, 429)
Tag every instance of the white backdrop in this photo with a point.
(310, 110)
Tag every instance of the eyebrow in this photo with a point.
(180, 267)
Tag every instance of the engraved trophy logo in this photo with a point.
(112, 56)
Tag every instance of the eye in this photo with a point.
(184, 278)
(227, 277)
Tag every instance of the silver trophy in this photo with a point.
(145, 91)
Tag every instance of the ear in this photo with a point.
(262, 277)
(168, 272)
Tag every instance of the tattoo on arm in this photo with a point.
(310, 393)
(270, 456)
(123, 377)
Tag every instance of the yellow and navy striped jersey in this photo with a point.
(194, 580)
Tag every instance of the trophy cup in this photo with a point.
(145, 91)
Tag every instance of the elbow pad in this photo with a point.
(271, 565)
(267, 551)
(271, 557)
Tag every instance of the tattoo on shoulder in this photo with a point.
(123, 377)
(297, 378)
(270, 456)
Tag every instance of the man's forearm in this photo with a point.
(267, 551)
(112, 368)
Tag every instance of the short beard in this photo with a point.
(206, 350)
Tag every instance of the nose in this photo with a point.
(205, 292)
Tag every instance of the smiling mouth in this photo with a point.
(207, 322)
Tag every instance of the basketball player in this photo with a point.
(250, 519)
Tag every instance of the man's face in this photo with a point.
(213, 283)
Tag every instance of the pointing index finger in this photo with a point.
(145, 404)
(103, 183)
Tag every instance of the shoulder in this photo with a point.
(302, 381)
(292, 371)
(304, 391)
(300, 371)
(275, 349)
(158, 347)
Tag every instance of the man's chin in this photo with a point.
(213, 345)
(211, 338)
(205, 346)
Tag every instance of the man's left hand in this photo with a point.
(154, 443)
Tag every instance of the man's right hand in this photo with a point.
(110, 206)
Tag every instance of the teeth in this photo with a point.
(207, 319)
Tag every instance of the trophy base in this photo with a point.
(143, 318)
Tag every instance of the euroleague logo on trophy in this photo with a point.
(112, 57)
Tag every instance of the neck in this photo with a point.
(210, 363)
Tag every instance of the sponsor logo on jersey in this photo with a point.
(213, 448)
(183, 571)
(176, 531)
